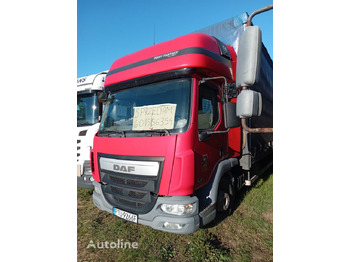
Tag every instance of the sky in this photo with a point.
(110, 29)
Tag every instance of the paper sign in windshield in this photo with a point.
(151, 117)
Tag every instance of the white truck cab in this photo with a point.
(89, 112)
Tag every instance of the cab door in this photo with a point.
(209, 152)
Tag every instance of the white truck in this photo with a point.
(89, 112)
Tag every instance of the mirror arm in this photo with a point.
(214, 78)
(255, 130)
(217, 132)
(261, 10)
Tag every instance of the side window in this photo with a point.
(208, 107)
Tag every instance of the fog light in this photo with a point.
(98, 190)
(91, 179)
(170, 225)
(177, 209)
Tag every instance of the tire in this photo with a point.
(225, 199)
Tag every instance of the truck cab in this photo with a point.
(89, 112)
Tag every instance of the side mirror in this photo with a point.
(102, 97)
(249, 104)
(249, 57)
(203, 136)
(231, 120)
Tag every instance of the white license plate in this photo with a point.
(125, 215)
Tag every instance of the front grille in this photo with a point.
(129, 203)
(133, 193)
(138, 195)
(132, 182)
(118, 180)
(135, 183)
(117, 190)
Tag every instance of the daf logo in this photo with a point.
(122, 168)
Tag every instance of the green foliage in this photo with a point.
(246, 235)
(167, 253)
(207, 247)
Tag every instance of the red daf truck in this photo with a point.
(183, 126)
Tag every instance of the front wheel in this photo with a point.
(225, 199)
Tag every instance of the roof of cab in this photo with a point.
(196, 50)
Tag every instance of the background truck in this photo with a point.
(184, 127)
(89, 112)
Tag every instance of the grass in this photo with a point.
(246, 235)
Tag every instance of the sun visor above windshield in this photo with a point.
(195, 50)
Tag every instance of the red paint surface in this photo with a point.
(183, 170)
(176, 62)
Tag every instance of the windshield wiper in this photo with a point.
(84, 124)
(111, 133)
(160, 131)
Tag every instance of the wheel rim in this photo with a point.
(224, 201)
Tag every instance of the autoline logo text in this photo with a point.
(119, 244)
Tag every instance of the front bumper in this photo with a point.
(156, 217)
(84, 181)
(84, 176)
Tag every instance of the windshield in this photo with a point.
(161, 108)
(88, 107)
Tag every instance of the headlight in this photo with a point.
(87, 169)
(177, 209)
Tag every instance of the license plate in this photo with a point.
(125, 215)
